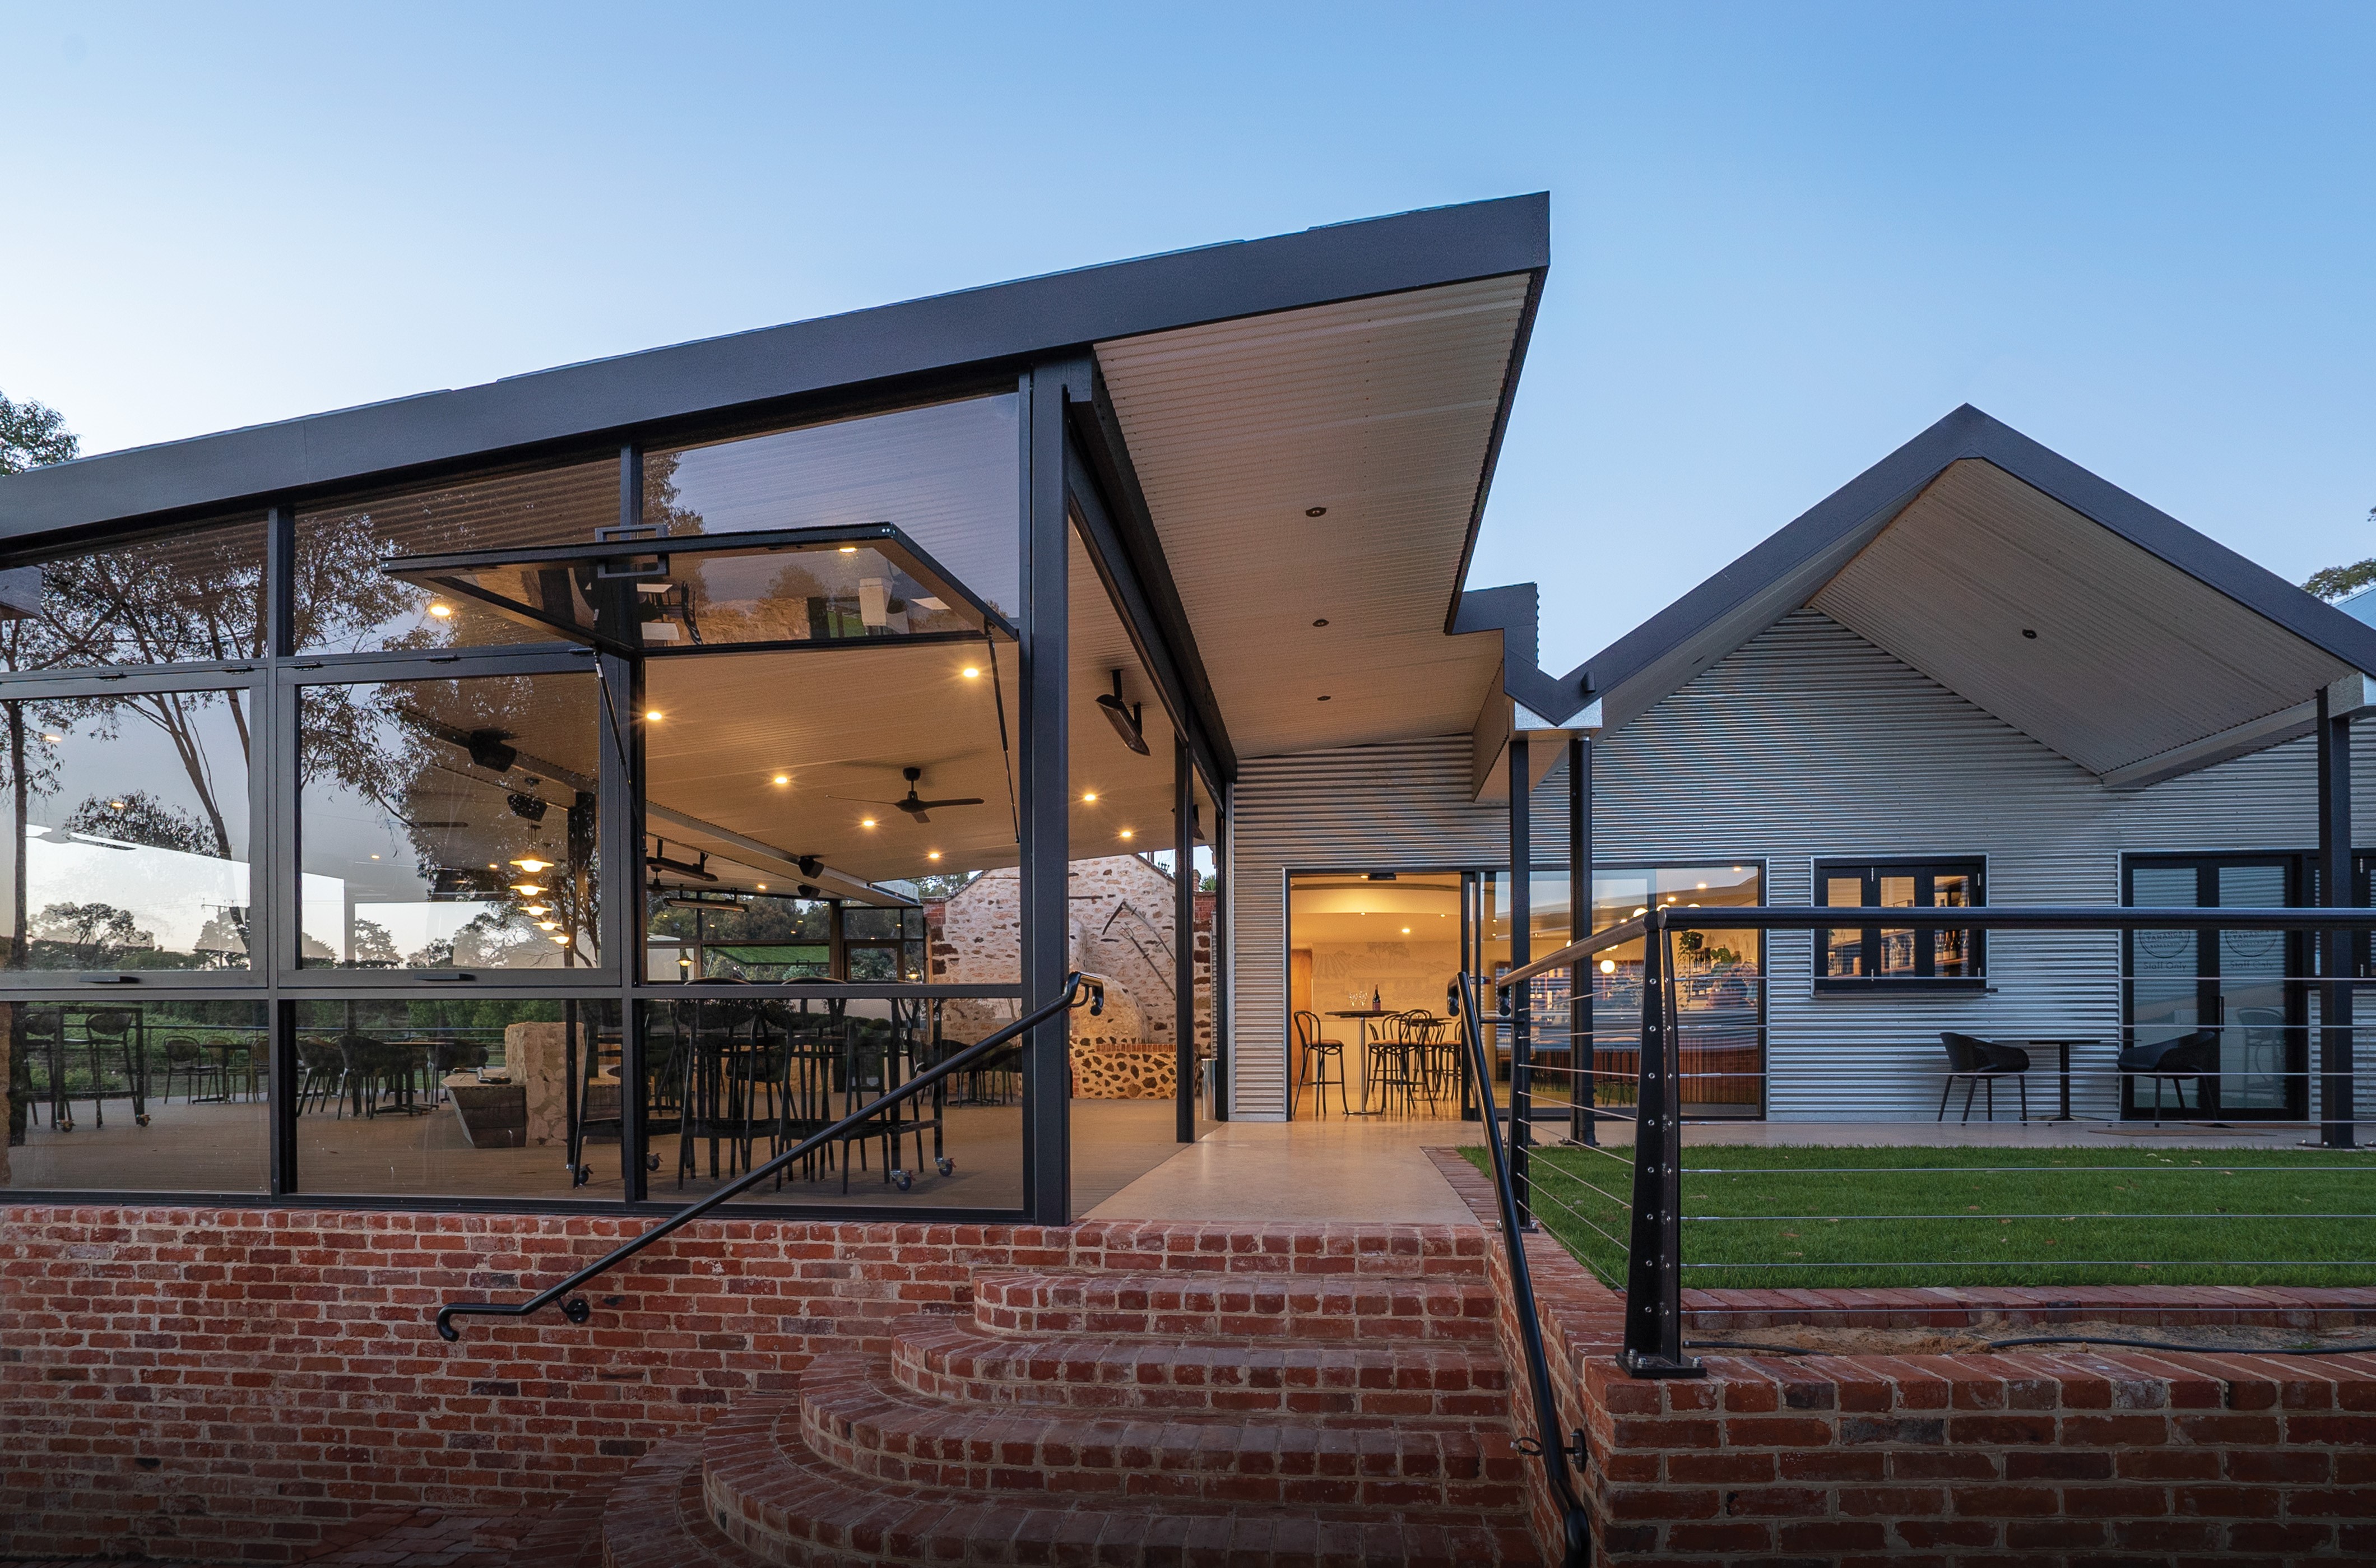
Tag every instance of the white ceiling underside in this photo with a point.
(1380, 411)
(2133, 660)
(839, 723)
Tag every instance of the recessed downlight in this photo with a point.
(1315, 511)
(1322, 622)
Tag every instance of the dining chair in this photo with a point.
(187, 1057)
(2190, 1056)
(1319, 1051)
(117, 1032)
(1977, 1062)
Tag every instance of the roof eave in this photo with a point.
(944, 334)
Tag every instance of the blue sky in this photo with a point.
(1787, 237)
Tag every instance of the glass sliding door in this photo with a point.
(2244, 986)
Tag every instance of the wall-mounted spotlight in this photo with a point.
(1124, 717)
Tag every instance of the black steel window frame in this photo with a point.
(276, 679)
(2300, 868)
(1925, 870)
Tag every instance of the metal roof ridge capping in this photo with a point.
(942, 334)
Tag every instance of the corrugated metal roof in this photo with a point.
(1380, 411)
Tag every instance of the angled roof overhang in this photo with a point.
(2094, 623)
(888, 347)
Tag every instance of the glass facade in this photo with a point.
(330, 887)
(449, 825)
(944, 475)
(346, 603)
(131, 849)
(195, 595)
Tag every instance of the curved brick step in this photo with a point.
(783, 1503)
(854, 1416)
(1224, 1306)
(657, 1517)
(945, 1358)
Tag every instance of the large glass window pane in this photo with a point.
(730, 1082)
(1718, 987)
(134, 848)
(467, 1097)
(450, 824)
(346, 604)
(1897, 892)
(945, 475)
(194, 594)
(113, 1095)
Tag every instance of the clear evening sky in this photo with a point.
(1787, 236)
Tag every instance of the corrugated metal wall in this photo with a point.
(1401, 807)
(1807, 743)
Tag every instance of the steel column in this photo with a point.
(1044, 779)
(1654, 1274)
(2335, 1110)
(1522, 953)
(1184, 939)
(272, 798)
(1581, 1115)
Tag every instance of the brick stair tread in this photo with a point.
(1237, 1306)
(953, 1358)
(789, 1506)
(853, 1414)
(657, 1517)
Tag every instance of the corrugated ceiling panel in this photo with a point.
(1379, 411)
(2132, 657)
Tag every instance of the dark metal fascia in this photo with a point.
(998, 324)
(1501, 427)
(1128, 554)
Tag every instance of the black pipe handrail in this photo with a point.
(575, 1308)
(1978, 916)
(1556, 1452)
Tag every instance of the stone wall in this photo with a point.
(1122, 929)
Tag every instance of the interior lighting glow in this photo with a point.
(441, 611)
(54, 739)
(971, 673)
(531, 909)
(529, 889)
(1126, 833)
(1090, 798)
(531, 865)
(653, 715)
(548, 925)
(761, 886)
(932, 855)
(1608, 966)
(561, 942)
(1405, 930)
(116, 805)
(783, 779)
(865, 821)
(375, 857)
(850, 550)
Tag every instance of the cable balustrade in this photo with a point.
(1892, 1153)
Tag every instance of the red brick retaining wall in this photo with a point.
(2067, 1458)
(236, 1384)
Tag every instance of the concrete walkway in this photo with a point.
(1335, 1170)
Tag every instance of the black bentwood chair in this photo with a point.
(1978, 1061)
(1318, 1052)
(2194, 1056)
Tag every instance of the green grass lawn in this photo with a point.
(1821, 1217)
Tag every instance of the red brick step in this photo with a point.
(658, 1518)
(1237, 1306)
(955, 1359)
(781, 1503)
(854, 1416)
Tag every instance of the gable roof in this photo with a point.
(2089, 620)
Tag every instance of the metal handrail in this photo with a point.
(1556, 1452)
(1976, 917)
(575, 1308)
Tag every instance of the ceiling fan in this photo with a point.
(912, 804)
